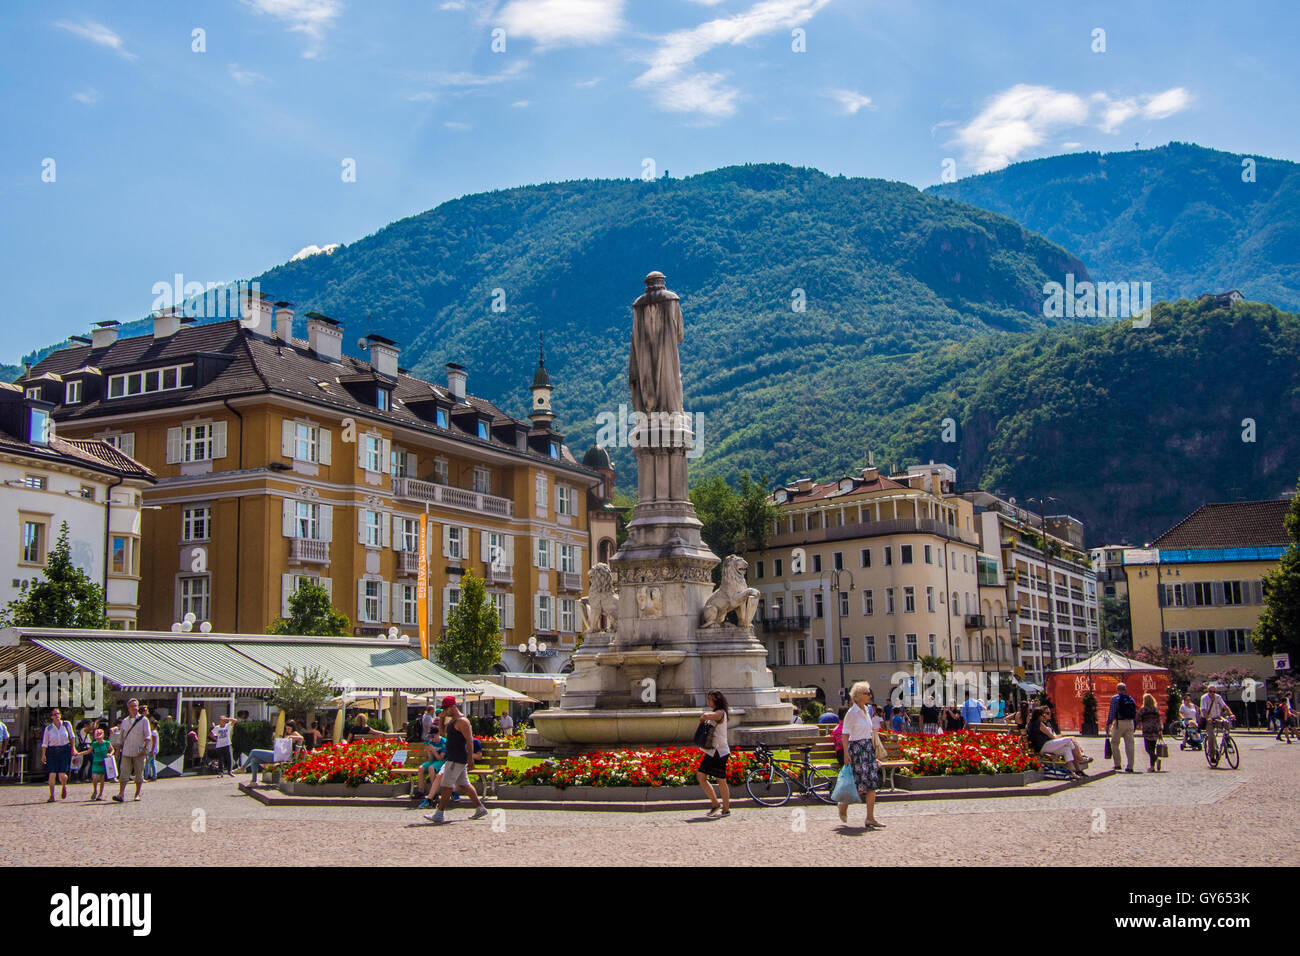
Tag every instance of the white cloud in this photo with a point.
(521, 104)
(98, 34)
(850, 100)
(675, 88)
(309, 17)
(457, 125)
(241, 76)
(1071, 145)
(587, 84)
(562, 22)
(452, 5)
(466, 79)
(313, 250)
(89, 97)
(424, 96)
(1021, 118)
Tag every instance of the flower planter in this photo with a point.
(612, 794)
(299, 789)
(968, 781)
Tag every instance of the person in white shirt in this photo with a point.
(56, 751)
(507, 724)
(860, 735)
(1188, 710)
(134, 733)
(221, 733)
(714, 762)
(1213, 708)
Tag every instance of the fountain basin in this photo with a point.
(639, 659)
(596, 729)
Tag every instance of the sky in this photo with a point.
(218, 138)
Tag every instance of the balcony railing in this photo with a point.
(499, 575)
(408, 562)
(870, 529)
(309, 551)
(798, 623)
(436, 494)
(974, 621)
(570, 580)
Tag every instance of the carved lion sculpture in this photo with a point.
(599, 608)
(732, 595)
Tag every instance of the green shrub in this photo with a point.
(171, 738)
(251, 735)
(811, 711)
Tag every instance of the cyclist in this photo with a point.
(1213, 709)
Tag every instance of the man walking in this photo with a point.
(1120, 721)
(136, 739)
(460, 761)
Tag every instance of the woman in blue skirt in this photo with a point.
(56, 751)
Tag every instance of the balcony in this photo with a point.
(429, 492)
(570, 581)
(499, 576)
(871, 529)
(798, 623)
(408, 562)
(974, 622)
(309, 551)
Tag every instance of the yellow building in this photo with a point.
(1199, 586)
(280, 459)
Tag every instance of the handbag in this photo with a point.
(282, 749)
(1106, 752)
(110, 767)
(846, 788)
(704, 735)
(1162, 750)
(878, 745)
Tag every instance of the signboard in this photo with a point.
(422, 586)
(1281, 662)
(1141, 556)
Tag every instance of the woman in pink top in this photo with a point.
(837, 735)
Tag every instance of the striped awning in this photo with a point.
(161, 667)
(398, 668)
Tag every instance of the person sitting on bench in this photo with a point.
(1045, 741)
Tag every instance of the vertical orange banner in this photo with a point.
(422, 586)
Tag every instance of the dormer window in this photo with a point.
(555, 449)
(483, 430)
(39, 427)
(141, 383)
(34, 392)
(72, 395)
(381, 399)
(440, 418)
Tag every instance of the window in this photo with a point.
(306, 442)
(196, 596)
(929, 554)
(964, 566)
(1202, 593)
(819, 651)
(956, 603)
(846, 650)
(499, 603)
(307, 520)
(40, 427)
(799, 606)
(844, 604)
(1178, 640)
(72, 395)
(410, 539)
(33, 551)
(568, 616)
(817, 605)
(893, 647)
(408, 604)
(889, 555)
(497, 550)
(34, 392)
(543, 553)
(555, 449)
(910, 644)
(372, 603)
(780, 653)
(776, 567)
(1173, 595)
(373, 522)
(440, 471)
(456, 543)
(869, 648)
(482, 481)
(122, 555)
(373, 453)
(956, 649)
(142, 383)
(817, 564)
(909, 600)
(544, 613)
(837, 560)
(905, 554)
(758, 572)
(1232, 592)
(929, 600)
(932, 645)
(381, 399)
(1205, 642)
(868, 603)
(482, 430)
(801, 651)
(398, 464)
(196, 442)
(1238, 639)
(568, 558)
(563, 500)
(889, 600)
(35, 482)
(864, 557)
(440, 418)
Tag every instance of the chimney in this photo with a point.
(456, 377)
(255, 313)
(383, 355)
(324, 337)
(870, 473)
(166, 322)
(284, 321)
(104, 334)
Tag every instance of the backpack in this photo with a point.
(1127, 709)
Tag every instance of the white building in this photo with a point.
(46, 481)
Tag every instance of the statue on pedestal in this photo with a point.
(599, 609)
(654, 371)
(733, 594)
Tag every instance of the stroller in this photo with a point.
(1192, 737)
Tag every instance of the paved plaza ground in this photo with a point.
(1190, 816)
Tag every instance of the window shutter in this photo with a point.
(385, 454)
(173, 445)
(1220, 641)
(328, 585)
(127, 444)
(385, 527)
(508, 611)
(396, 604)
(465, 552)
(577, 558)
(218, 439)
(361, 600)
(1217, 591)
(289, 525)
(485, 547)
(411, 462)
(537, 612)
(446, 541)
(361, 452)
(537, 563)
(397, 533)
(385, 607)
(286, 588)
(1256, 592)
(510, 550)
(446, 606)
(286, 438)
(327, 522)
(361, 526)
(323, 446)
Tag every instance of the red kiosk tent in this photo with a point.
(1102, 671)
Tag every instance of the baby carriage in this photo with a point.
(1192, 737)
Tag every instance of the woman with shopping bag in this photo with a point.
(861, 774)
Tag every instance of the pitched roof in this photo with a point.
(82, 452)
(1235, 524)
(831, 489)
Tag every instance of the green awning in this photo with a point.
(398, 668)
(145, 666)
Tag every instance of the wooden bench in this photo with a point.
(1054, 765)
(894, 759)
(488, 764)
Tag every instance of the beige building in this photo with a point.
(870, 571)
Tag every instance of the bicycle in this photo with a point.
(771, 781)
(1222, 748)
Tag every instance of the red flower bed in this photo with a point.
(657, 767)
(362, 761)
(966, 752)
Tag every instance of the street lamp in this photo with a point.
(1047, 566)
(839, 651)
(533, 649)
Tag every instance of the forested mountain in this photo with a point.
(1185, 218)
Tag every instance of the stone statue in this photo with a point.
(599, 609)
(649, 602)
(732, 595)
(654, 372)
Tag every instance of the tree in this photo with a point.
(733, 519)
(311, 613)
(1278, 630)
(1180, 664)
(940, 665)
(1116, 631)
(300, 695)
(63, 597)
(472, 643)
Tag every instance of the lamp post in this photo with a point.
(533, 649)
(1047, 566)
(839, 651)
